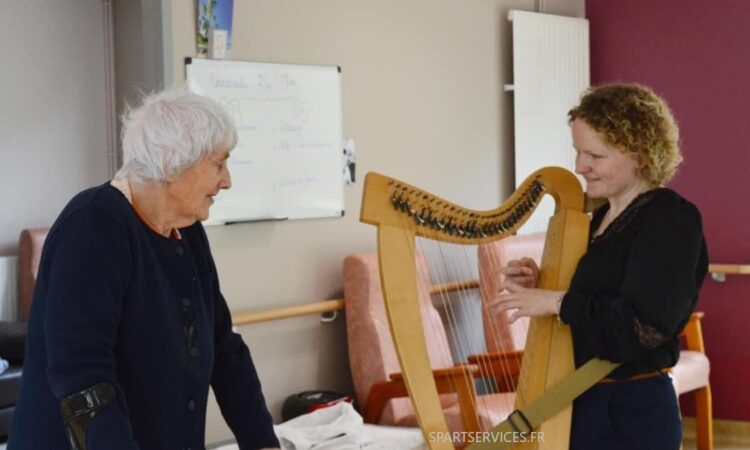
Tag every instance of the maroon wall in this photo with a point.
(696, 53)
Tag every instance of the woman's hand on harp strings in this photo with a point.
(523, 272)
(526, 302)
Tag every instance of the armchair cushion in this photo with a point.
(29, 253)
(691, 371)
(13, 334)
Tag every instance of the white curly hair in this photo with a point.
(171, 131)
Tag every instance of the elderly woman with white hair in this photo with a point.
(128, 327)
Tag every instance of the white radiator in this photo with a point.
(8, 288)
(550, 70)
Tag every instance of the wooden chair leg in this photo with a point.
(704, 426)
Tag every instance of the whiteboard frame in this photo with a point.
(329, 197)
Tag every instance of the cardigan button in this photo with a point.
(194, 352)
(191, 405)
(180, 251)
(185, 302)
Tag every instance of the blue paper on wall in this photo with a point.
(213, 14)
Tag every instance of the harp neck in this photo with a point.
(387, 201)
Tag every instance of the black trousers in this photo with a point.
(627, 415)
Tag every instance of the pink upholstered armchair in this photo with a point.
(29, 253)
(12, 333)
(379, 389)
(690, 373)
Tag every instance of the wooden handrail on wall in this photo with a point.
(290, 311)
(735, 269)
(329, 305)
(718, 273)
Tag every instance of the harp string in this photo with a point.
(462, 270)
(485, 364)
(442, 277)
(504, 338)
(501, 334)
(495, 335)
(472, 263)
(450, 270)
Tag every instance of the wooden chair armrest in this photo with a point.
(458, 379)
(454, 373)
(693, 333)
(379, 395)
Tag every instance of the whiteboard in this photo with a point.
(289, 158)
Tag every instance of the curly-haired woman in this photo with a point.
(637, 284)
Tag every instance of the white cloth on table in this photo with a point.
(340, 427)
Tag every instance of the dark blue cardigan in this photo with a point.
(116, 302)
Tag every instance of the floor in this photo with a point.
(728, 435)
(687, 446)
(718, 445)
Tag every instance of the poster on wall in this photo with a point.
(212, 15)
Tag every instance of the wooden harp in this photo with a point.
(402, 212)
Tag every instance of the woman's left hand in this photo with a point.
(525, 301)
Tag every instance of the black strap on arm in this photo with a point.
(79, 409)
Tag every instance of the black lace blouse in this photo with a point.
(636, 286)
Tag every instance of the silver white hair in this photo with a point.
(171, 131)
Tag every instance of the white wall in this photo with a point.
(53, 133)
